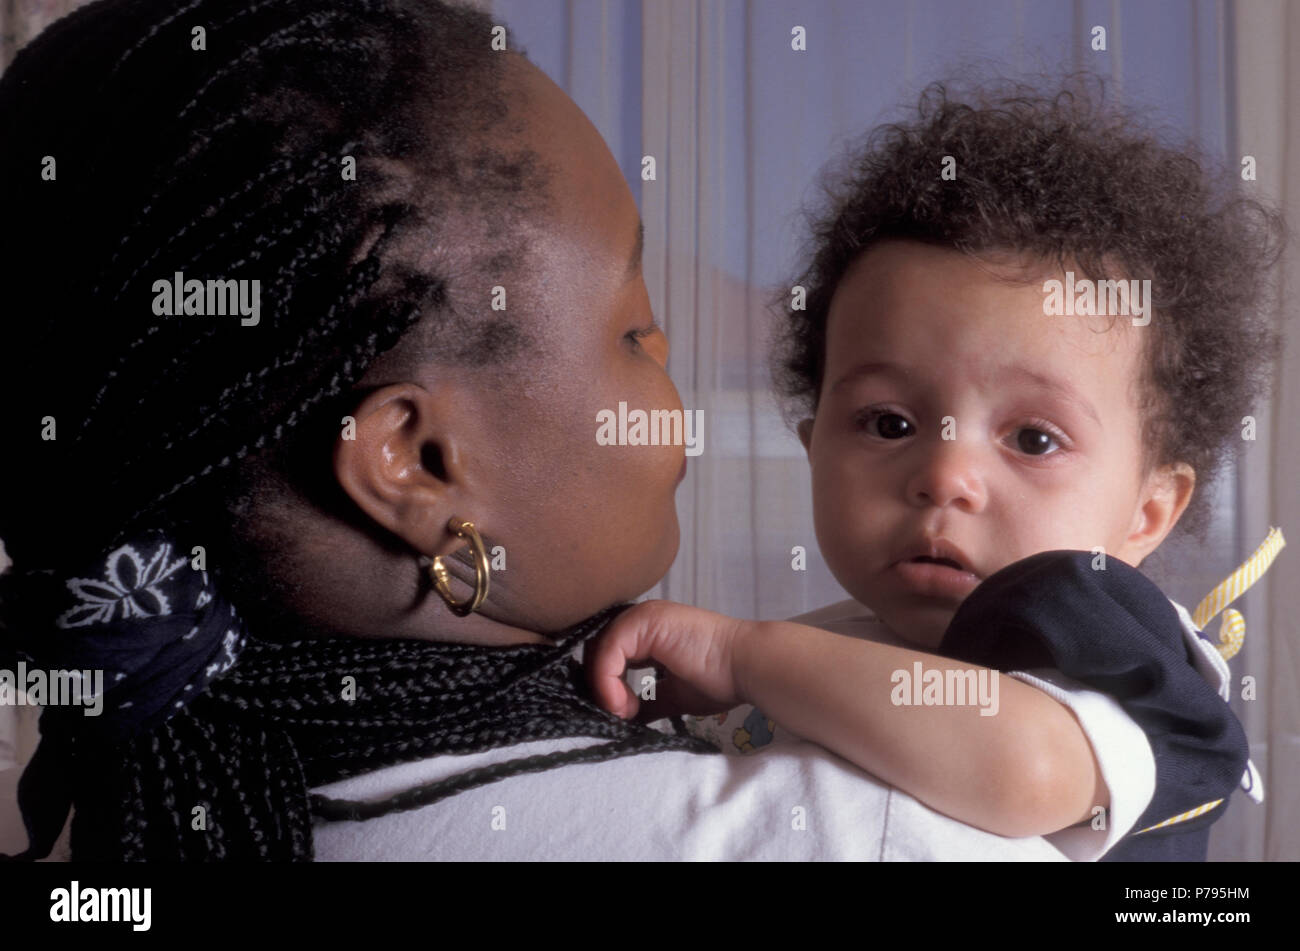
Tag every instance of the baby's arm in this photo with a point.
(1028, 770)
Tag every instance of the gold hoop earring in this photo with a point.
(441, 577)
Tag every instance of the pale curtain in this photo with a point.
(1265, 83)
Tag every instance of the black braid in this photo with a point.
(253, 214)
(153, 31)
(278, 40)
(166, 770)
(334, 809)
(133, 847)
(332, 238)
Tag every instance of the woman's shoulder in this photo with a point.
(793, 802)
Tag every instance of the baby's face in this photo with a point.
(953, 413)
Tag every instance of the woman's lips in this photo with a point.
(933, 580)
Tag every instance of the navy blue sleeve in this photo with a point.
(1112, 630)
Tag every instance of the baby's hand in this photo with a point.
(698, 648)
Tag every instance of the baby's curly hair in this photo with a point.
(1067, 178)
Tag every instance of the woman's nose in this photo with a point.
(947, 473)
(657, 345)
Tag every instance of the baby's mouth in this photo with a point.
(938, 552)
(934, 576)
(938, 561)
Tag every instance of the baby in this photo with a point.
(1031, 333)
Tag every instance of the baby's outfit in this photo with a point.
(1113, 630)
(1148, 689)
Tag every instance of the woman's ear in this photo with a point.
(398, 461)
(1165, 495)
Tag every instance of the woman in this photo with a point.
(242, 514)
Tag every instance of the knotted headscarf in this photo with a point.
(144, 617)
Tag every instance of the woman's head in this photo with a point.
(449, 290)
(507, 440)
(388, 178)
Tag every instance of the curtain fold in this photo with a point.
(1264, 42)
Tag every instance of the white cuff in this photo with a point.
(1128, 767)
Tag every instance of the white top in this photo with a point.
(798, 802)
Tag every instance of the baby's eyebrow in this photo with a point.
(1057, 387)
(869, 369)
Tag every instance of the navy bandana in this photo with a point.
(155, 626)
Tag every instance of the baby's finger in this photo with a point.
(605, 665)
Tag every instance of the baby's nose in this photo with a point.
(947, 472)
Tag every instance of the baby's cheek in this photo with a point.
(847, 545)
(1090, 523)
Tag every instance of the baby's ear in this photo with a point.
(805, 429)
(1165, 497)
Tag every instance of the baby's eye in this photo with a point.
(1035, 442)
(886, 425)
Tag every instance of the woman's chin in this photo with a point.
(657, 561)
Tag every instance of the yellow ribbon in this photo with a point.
(1182, 817)
(1232, 630)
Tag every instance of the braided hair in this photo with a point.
(144, 140)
